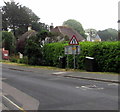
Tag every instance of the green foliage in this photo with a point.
(36, 26)
(23, 60)
(106, 55)
(91, 32)
(32, 16)
(108, 34)
(16, 59)
(76, 26)
(33, 48)
(51, 53)
(8, 41)
(33, 51)
(118, 36)
(17, 17)
(43, 34)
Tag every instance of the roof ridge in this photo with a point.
(59, 29)
(65, 30)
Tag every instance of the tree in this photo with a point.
(32, 16)
(119, 35)
(8, 41)
(33, 52)
(38, 26)
(76, 26)
(33, 47)
(108, 34)
(43, 34)
(91, 32)
(17, 17)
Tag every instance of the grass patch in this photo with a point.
(55, 68)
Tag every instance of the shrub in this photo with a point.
(8, 41)
(52, 52)
(23, 60)
(14, 58)
(106, 55)
(34, 52)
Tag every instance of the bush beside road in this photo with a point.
(105, 54)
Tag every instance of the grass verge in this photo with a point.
(54, 68)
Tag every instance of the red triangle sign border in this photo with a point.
(73, 37)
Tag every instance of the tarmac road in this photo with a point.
(43, 90)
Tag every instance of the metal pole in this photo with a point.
(67, 61)
(74, 61)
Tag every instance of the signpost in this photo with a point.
(73, 48)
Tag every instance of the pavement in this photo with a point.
(98, 76)
(95, 76)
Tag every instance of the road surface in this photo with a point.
(32, 89)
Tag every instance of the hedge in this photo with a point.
(106, 54)
(16, 59)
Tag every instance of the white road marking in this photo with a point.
(87, 87)
(59, 73)
(113, 84)
(14, 104)
(100, 88)
(77, 87)
(28, 102)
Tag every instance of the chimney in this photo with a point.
(51, 26)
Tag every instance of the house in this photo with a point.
(22, 39)
(65, 33)
(95, 38)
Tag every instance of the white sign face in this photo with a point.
(5, 54)
(72, 49)
(68, 49)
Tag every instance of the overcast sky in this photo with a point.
(97, 14)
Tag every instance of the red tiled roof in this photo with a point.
(67, 31)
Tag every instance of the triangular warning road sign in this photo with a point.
(73, 41)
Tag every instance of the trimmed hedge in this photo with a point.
(52, 52)
(106, 54)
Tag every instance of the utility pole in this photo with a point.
(118, 30)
